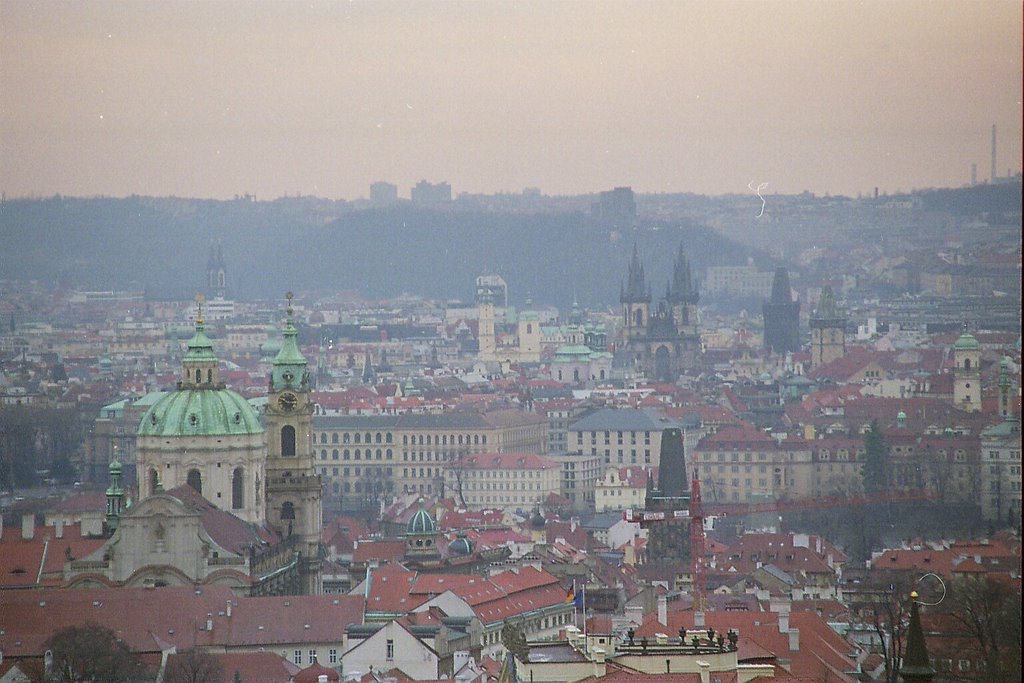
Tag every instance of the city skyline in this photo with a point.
(222, 99)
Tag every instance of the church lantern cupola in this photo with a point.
(199, 365)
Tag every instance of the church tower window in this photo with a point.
(237, 488)
(288, 441)
(287, 511)
(153, 482)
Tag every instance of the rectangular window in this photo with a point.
(312, 656)
(390, 655)
(332, 656)
(297, 657)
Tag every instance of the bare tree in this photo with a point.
(989, 611)
(194, 666)
(90, 653)
(457, 468)
(888, 617)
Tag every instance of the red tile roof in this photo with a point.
(822, 652)
(149, 619)
(39, 561)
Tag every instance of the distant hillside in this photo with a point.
(1003, 198)
(162, 245)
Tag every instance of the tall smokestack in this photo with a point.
(974, 175)
(993, 153)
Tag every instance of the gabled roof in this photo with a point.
(226, 530)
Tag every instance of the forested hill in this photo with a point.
(162, 245)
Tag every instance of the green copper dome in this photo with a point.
(421, 522)
(966, 342)
(200, 406)
(200, 412)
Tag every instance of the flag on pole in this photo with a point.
(580, 598)
(570, 597)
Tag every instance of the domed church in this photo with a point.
(206, 436)
(204, 444)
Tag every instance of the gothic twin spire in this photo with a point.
(682, 288)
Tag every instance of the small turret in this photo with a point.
(115, 497)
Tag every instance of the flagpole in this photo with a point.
(575, 618)
(584, 589)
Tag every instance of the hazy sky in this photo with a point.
(216, 99)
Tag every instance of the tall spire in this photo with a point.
(636, 284)
(915, 665)
(682, 287)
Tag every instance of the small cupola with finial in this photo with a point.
(199, 366)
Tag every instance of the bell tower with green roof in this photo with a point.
(293, 485)
(967, 373)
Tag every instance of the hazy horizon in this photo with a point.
(214, 100)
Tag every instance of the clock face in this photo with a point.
(288, 401)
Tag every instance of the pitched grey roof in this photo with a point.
(622, 419)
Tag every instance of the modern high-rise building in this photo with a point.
(617, 206)
(431, 193)
(383, 193)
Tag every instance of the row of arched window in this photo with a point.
(194, 478)
(346, 454)
(422, 439)
(357, 438)
(209, 376)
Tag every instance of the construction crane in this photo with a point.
(697, 546)
(696, 515)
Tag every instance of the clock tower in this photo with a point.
(293, 486)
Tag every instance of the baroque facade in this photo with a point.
(221, 500)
